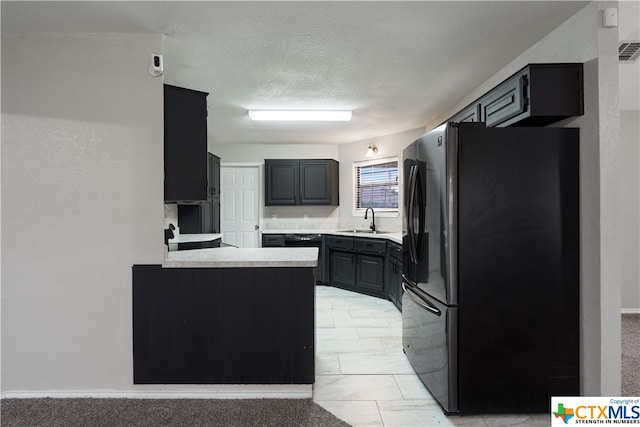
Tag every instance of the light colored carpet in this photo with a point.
(631, 355)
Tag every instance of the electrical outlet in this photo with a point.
(273, 217)
(306, 216)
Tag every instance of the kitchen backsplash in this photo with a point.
(293, 218)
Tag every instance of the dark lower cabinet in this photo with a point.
(357, 264)
(223, 325)
(342, 269)
(370, 274)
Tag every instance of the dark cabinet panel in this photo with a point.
(470, 114)
(281, 183)
(318, 182)
(195, 218)
(185, 144)
(357, 264)
(223, 326)
(339, 242)
(342, 269)
(393, 274)
(272, 240)
(213, 175)
(504, 102)
(370, 245)
(216, 215)
(536, 95)
(370, 274)
(301, 182)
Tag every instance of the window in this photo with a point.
(376, 185)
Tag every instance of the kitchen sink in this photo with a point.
(361, 231)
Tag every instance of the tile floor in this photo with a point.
(364, 378)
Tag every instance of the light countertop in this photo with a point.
(192, 238)
(242, 257)
(393, 236)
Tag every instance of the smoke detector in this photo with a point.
(628, 51)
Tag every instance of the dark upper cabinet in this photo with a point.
(213, 175)
(185, 144)
(301, 182)
(203, 217)
(281, 182)
(505, 102)
(318, 182)
(536, 95)
(469, 114)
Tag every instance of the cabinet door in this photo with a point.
(469, 114)
(342, 269)
(281, 182)
(185, 144)
(506, 101)
(390, 279)
(370, 274)
(206, 217)
(216, 215)
(318, 182)
(213, 173)
(398, 283)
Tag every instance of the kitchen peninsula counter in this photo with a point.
(226, 316)
(231, 257)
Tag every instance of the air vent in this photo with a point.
(628, 51)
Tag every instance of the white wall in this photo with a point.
(287, 217)
(580, 39)
(82, 173)
(630, 209)
(388, 146)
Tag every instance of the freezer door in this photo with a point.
(429, 339)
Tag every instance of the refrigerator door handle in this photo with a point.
(412, 193)
(406, 287)
(421, 214)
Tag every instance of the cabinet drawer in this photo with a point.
(370, 245)
(269, 240)
(394, 250)
(339, 242)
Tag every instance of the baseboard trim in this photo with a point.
(303, 391)
(631, 311)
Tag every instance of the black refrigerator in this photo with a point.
(490, 309)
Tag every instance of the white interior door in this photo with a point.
(239, 206)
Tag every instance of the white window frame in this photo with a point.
(379, 212)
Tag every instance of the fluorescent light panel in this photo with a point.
(301, 115)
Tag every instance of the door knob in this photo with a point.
(256, 227)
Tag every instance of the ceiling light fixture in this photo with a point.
(301, 115)
(372, 151)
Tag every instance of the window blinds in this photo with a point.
(377, 186)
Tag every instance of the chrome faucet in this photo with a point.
(373, 218)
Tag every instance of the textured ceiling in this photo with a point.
(397, 65)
